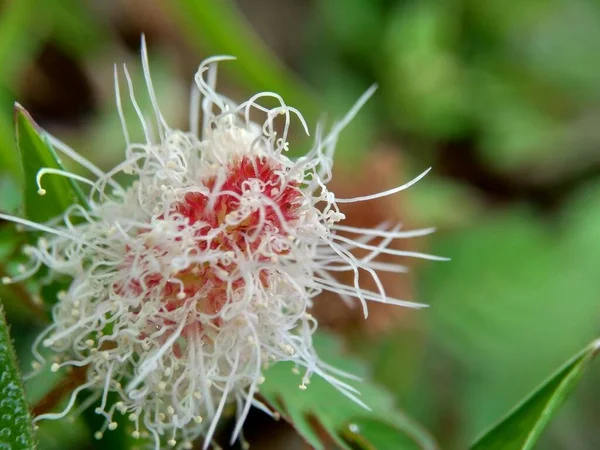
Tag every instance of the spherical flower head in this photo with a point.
(201, 272)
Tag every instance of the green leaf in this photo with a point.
(8, 157)
(22, 32)
(37, 153)
(371, 434)
(11, 195)
(499, 309)
(321, 407)
(16, 431)
(63, 434)
(522, 427)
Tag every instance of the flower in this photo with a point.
(380, 171)
(187, 283)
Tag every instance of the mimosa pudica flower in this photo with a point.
(194, 277)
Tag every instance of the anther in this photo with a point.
(288, 349)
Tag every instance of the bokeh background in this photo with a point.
(501, 98)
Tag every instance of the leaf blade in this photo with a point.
(522, 426)
(37, 153)
(16, 429)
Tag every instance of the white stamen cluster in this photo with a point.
(190, 281)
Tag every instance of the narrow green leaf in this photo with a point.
(522, 427)
(485, 302)
(321, 407)
(9, 158)
(11, 195)
(37, 153)
(16, 430)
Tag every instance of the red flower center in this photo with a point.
(277, 201)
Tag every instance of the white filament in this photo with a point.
(164, 314)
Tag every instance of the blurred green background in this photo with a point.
(502, 98)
